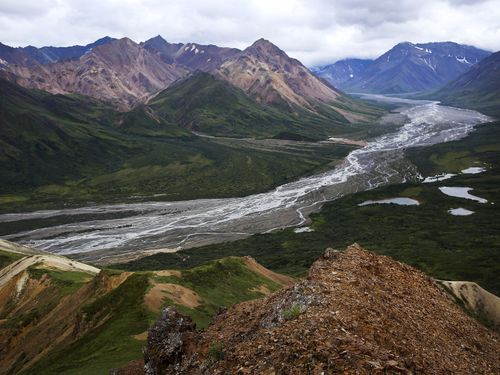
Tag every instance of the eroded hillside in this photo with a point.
(59, 316)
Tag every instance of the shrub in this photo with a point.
(216, 351)
(292, 313)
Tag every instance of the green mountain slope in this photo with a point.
(58, 316)
(479, 88)
(209, 105)
(205, 104)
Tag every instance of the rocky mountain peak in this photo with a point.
(103, 40)
(263, 47)
(263, 43)
(269, 75)
(157, 38)
(355, 312)
(125, 41)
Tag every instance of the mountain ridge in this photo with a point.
(30, 55)
(267, 73)
(478, 88)
(121, 72)
(407, 67)
(355, 311)
(194, 56)
(127, 74)
(58, 315)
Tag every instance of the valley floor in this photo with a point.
(426, 236)
(204, 168)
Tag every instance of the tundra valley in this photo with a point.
(213, 205)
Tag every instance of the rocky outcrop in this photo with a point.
(168, 342)
(356, 312)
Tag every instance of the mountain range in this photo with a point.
(126, 73)
(192, 55)
(342, 72)
(29, 56)
(120, 71)
(405, 68)
(95, 148)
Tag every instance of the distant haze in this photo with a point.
(314, 31)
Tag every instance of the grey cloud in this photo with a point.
(314, 31)
(15, 8)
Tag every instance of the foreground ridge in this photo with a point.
(354, 311)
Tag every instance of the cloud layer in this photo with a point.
(314, 31)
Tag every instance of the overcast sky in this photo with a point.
(314, 31)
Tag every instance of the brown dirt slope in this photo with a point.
(271, 76)
(355, 311)
(121, 72)
(268, 274)
(178, 294)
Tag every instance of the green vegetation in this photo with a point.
(485, 102)
(216, 351)
(61, 284)
(106, 321)
(220, 283)
(292, 312)
(108, 345)
(425, 236)
(206, 104)
(187, 170)
(21, 320)
(67, 281)
(7, 257)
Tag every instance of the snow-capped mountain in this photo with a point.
(407, 67)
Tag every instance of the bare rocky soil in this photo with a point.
(356, 312)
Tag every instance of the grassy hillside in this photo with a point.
(208, 105)
(479, 88)
(61, 321)
(425, 236)
(72, 150)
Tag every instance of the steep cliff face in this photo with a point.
(355, 311)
